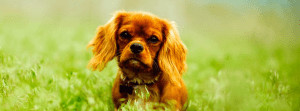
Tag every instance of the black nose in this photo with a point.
(136, 48)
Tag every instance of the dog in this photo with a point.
(150, 55)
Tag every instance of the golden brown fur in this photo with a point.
(150, 55)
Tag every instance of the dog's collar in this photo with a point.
(127, 86)
(137, 81)
(125, 89)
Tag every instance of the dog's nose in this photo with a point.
(136, 48)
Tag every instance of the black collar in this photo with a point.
(125, 89)
(128, 88)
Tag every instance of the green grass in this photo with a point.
(43, 67)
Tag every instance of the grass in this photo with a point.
(43, 67)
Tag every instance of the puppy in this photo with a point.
(151, 59)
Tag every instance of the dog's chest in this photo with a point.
(143, 94)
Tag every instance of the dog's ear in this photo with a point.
(172, 55)
(104, 43)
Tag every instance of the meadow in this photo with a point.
(236, 61)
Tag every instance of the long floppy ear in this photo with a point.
(172, 55)
(104, 43)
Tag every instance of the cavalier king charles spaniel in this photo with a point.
(151, 59)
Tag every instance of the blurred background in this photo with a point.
(242, 55)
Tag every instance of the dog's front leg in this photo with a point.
(116, 95)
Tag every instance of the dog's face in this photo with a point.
(139, 40)
(144, 45)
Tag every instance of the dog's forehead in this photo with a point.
(142, 21)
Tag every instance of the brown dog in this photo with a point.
(151, 58)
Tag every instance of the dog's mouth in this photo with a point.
(135, 64)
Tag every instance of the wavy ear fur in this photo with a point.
(172, 55)
(104, 43)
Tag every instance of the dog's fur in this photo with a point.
(157, 69)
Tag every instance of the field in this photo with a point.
(236, 61)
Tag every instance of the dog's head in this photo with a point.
(144, 44)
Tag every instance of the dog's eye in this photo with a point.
(125, 35)
(153, 39)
